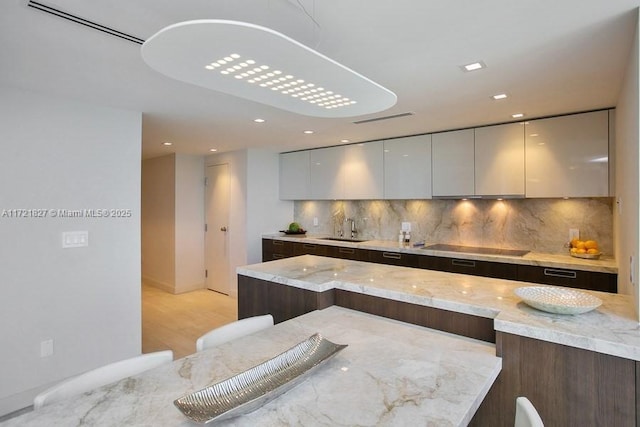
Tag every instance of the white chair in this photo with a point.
(233, 330)
(102, 376)
(526, 414)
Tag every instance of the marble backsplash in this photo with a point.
(538, 225)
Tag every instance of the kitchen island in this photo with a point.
(578, 370)
(391, 374)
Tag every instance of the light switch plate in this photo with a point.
(406, 226)
(75, 239)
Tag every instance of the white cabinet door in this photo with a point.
(326, 178)
(294, 176)
(499, 160)
(407, 168)
(453, 163)
(567, 156)
(363, 171)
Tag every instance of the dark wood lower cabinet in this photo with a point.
(568, 386)
(595, 281)
(394, 258)
(256, 297)
(443, 320)
(469, 266)
(353, 254)
(300, 248)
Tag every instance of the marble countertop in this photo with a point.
(611, 329)
(605, 264)
(391, 374)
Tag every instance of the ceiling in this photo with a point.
(549, 56)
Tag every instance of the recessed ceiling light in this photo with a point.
(184, 52)
(213, 150)
(473, 66)
(500, 96)
(259, 120)
(517, 115)
(167, 143)
(344, 140)
(308, 132)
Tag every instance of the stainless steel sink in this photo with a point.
(342, 239)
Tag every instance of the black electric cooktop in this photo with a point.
(477, 250)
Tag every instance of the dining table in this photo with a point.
(390, 374)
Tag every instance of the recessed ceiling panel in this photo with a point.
(262, 65)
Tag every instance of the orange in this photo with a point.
(573, 250)
(593, 251)
(580, 244)
(591, 244)
(581, 251)
(574, 242)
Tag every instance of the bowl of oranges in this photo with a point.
(584, 249)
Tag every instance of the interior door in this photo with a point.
(217, 229)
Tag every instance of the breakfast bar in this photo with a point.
(592, 360)
(391, 374)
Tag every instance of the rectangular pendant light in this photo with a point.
(262, 65)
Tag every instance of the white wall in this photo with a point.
(255, 208)
(627, 176)
(189, 223)
(158, 219)
(266, 213)
(59, 154)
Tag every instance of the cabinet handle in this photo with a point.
(278, 256)
(346, 250)
(391, 255)
(566, 274)
(463, 262)
(278, 242)
(309, 246)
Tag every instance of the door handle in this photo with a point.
(223, 229)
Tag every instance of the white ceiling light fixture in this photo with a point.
(167, 143)
(517, 115)
(262, 65)
(259, 120)
(474, 66)
(499, 96)
(308, 132)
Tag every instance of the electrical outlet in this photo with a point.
(406, 226)
(632, 266)
(46, 348)
(574, 233)
(315, 221)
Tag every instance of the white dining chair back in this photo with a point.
(102, 376)
(233, 330)
(526, 414)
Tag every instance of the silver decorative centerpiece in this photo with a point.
(253, 388)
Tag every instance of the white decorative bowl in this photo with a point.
(558, 300)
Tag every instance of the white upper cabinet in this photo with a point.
(567, 156)
(407, 168)
(499, 160)
(453, 163)
(326, 178)
(363, 171)
(294, 176)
